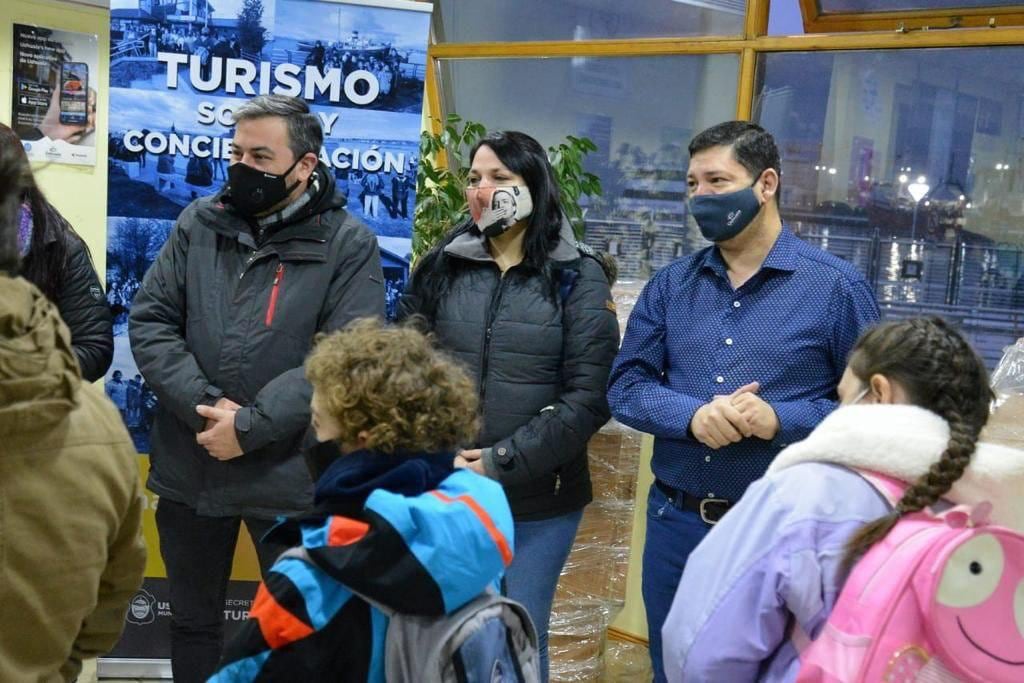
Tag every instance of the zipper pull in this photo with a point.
(277, 273)
(558, 482)
(248, 263)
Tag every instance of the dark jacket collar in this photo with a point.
(471, 245)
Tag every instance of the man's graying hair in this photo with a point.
(305, 135)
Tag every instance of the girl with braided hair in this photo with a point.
(914, 399)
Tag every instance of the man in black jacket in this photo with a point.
(220, 329)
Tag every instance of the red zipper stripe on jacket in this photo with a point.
(278, 276)
(492, 530)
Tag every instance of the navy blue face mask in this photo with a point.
(723, 216)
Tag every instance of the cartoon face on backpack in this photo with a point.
(940, 598)
(977, 602)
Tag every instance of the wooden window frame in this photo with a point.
(816, 21)
(754, 41)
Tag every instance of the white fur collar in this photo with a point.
(903, 442)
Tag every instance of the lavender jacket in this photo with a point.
(771, 564)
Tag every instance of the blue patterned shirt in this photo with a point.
(692, 336)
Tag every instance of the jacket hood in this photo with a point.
(903, 442)
(39, 376)
(350, 479)
(353, 477)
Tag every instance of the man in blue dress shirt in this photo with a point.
(731, 353)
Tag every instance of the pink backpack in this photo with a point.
(940, 599)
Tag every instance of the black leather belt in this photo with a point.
(710, 509)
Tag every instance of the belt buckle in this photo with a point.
(703, 509)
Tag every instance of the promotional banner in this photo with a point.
(177, 70)
(53, 98)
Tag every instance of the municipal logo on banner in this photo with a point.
(142, 608)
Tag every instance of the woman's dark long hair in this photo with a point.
(45, 265)
(524, 156)
(942, 373)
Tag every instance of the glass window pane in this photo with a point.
(850, 6)
(640, 112)
(910, 165)
(461, 21)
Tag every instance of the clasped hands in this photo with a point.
(730, 419)
(471, 460)
(219, 437)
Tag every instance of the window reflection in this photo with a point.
(844, 6)
(458, 21)
(640, 112)
(908, 163)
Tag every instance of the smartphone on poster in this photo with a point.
(74, 93)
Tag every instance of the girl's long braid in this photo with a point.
(942, 373)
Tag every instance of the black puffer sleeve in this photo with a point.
(85, 311)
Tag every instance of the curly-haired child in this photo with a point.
(393, 520)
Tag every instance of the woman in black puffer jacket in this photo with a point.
(529, 314)
(57, 261)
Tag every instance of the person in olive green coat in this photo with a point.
(71, 548)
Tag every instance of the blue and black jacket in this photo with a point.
(408, 532)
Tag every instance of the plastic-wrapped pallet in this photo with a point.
(1006, 425)
(626, 662)
(625, 293)
(592, 588)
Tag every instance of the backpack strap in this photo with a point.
(568, 276)
(566, 281)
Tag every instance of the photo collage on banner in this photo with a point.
(178, 68)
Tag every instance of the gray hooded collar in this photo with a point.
(472, 246)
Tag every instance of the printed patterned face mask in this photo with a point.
(24, 229)
(496, 209)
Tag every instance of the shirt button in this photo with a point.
(707, 458)
(502, 451)
(735, 304)
(728, 342)
(719, 379)
(711, 495)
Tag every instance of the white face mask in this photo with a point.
(496, 209)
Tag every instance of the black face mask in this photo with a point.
(253, 191)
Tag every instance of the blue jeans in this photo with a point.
(672, 534)
(541, 549)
